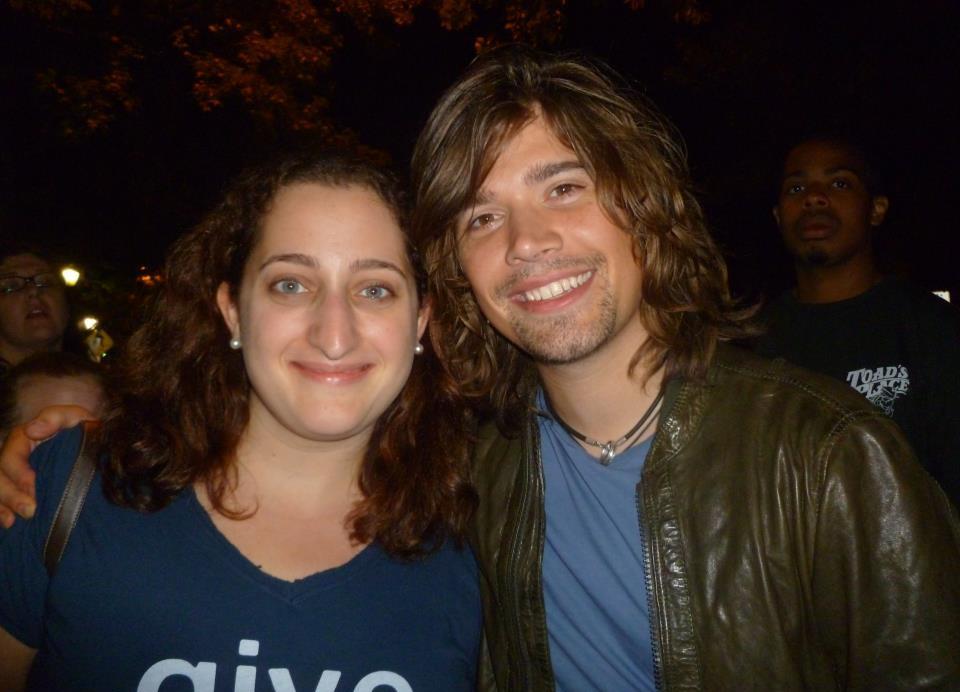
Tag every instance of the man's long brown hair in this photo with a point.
(642, 182)
(184, 394)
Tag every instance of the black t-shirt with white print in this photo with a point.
(897, 345)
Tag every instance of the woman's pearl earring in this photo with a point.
(418, 349)
(235, 343)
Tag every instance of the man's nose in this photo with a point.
(334, 326)
(533, 234)
(815, 197)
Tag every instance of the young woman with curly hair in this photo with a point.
(281, 489)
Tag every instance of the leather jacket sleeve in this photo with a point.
(885, 564)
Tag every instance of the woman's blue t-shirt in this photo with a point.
(163, 602)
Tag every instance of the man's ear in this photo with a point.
(878, 209)
(228, 309)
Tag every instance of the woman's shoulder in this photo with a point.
(53, 461)
(448, 559)
(65, 443)
(446, 576)
(23, 576)
(455, 558)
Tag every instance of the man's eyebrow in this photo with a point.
(829, 171)
(845, 169)
(291, 257)
(544, 171)
(537, 174)
(482, 197)
(374, 263)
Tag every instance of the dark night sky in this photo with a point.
(738, 87)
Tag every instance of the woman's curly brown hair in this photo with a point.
(643, 185)
(183, 394)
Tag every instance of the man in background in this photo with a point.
(895, 344)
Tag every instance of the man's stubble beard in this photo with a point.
(814, 258)
(820, 258)
(563, 340)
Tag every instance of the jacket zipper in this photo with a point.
(541, 521)
(515, 559)
(648, 581)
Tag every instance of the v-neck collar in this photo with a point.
(289, 591)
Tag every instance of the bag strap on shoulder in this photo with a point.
(71, 503)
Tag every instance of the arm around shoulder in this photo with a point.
(886, 563)
(17, 479)
(17, 492)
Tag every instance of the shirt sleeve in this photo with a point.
(23, 577)
(886, 559)
(942, 402)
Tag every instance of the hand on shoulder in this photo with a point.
(17, 479)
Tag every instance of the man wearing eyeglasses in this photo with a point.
(33, 306)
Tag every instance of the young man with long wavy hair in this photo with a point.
(658, 509)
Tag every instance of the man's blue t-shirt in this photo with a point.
(163, 602)
(595, 591)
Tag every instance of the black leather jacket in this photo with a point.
(793, 543)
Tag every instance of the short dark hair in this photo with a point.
(853, 144)
(15, 248)
(48, 364)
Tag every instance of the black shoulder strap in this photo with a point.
(74, 495)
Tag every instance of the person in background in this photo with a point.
(281, 488)
(33, 305)
(895, 344)
(49, 379)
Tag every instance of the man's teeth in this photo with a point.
(556, 288)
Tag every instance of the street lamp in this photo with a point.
(70, 276)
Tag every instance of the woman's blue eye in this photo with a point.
(289, 286)
(376, 292)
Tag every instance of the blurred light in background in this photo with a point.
(943, 294)
(70, 276)
(89, 323)
(147, 279)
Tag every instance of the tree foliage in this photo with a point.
(272, 56)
